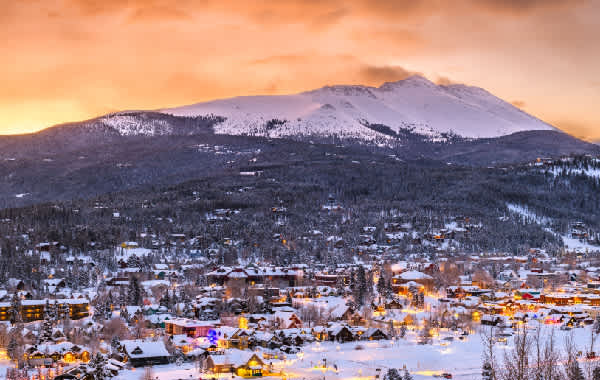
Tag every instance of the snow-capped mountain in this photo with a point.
(346, 111)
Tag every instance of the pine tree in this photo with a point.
(381, 287)
(360, 289)
(12, 347)
(574, 371)
(596, 373)
(407, 375)
(135, 293)
(164, 300)
(392, 374)
(45, 333)
(125, 314)
(83, 278)
(97, 367)
(115, 343)
(188, 310)
(99, 311)
(402, 331)
(389, 288)
(487, 372)
(15, 309)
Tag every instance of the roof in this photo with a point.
(413, 275)
(139, 348)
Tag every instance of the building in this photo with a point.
(33, 310)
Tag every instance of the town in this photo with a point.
(174, 306)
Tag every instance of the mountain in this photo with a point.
(412, 120)
(414, 104)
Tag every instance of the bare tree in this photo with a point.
(148, 374)
(489, 357)
(516, 362)
(546, 365)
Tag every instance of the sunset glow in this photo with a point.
(68, 60)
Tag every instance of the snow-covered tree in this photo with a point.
(392, 374)
(15, 309)
(573, 370)
(97, 368)
(487, 372)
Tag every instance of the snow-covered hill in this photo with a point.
(414, 103)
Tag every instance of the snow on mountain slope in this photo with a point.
(414, 103)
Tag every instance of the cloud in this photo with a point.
(521, 7)
(159, 13)
(577, 129)
(444, 81)
(288, 59)
(518, 103)
(376, 75)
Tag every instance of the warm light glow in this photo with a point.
(148, 55)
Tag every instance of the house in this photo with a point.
(340, 333)
(490, 320)
(374, 333)
(242, 363)
(65, 352)
(341, 312)
(189, 327)
(143, 352)
(229, 337)
(287, 320)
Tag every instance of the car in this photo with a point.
(446, 375)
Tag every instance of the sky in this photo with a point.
(69, 60)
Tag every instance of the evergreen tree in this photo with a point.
(12, 349)
(108, 307)
(99, 311)
(596, 373)
(188, 310)
(135, 292)
(125, 314)
(392, 374)
(45, 333)
(115, 343)
(389, 288)
(574, 371)
(164, 300)
(381, 287)
(407, 375)
(402, 331)
(97, 368)
(15, 309)
(487, 372)
(360, 289)
(83, 278)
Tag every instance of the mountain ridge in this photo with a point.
(340, 110)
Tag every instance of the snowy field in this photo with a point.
(360, 360)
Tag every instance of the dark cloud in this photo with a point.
(518, 7)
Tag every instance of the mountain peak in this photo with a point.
(415, 80)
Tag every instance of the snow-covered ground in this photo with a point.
(571, 244)
(588, 172)
(414, 103)
(361, 360)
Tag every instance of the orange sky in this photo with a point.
(67, 60)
